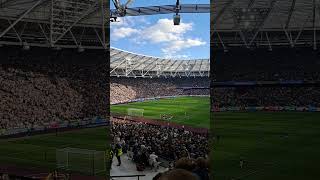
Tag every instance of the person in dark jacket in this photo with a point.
(202, 169)
(118, 153)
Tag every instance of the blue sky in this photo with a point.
(157, 36)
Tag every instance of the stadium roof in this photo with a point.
(54, 23)
(165, 9)
(265, 23)
(127, 64)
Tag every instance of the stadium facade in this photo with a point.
(266, 24)
(57, 24)
(128, 64)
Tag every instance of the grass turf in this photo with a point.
(277, 146)
(197, 110)
(40, 150)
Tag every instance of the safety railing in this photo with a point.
(126, 176)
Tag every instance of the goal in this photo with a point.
(85, 161)
(135, 112)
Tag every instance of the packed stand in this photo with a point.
(38, 88)
(30, 99)
(126, 89)
(266, 96)
(262, 65)
(145, 142)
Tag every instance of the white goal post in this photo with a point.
(135, 112)
(85, 161)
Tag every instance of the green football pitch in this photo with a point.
(277, 146)
(274, 146)
(39, 151)
(193, 111)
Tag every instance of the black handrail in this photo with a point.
(123, 176)
(16, 176)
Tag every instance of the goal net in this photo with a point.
(135, 112)
(81, 160)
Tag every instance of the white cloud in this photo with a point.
(125, 27)
(178, 45)
(172, 39)
(129, 21)
(165, 31)
(123, 32)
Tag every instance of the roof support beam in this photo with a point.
(43, 32)
(220, 39)
(299, 34)
(175, 62)
(74, 39)
(123, 61)
(262, 23)
(176, 70)
(293, 4)
(21, 17)
(155, 64)
(93, 8)
(103, 40)
(269, 43)
(167, 65)
(314, 24)
(289, 37)
(103, 25)
(14, 29)
(200, 72)
(215, 20)
(4, 4)
(139, 64)
(121, 55)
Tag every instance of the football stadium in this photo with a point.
(55, 101)
(160, 104)
(147, 100)
(265, 89)
(54, 89)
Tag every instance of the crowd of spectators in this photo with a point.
(187, 169)
(261, 65)
(126, 89)
(142, 140)
(266, 96)
(267, 67)
(29, 98)
(38, 88)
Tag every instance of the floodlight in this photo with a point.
(176, 19)
(25, 46)
(80, 49)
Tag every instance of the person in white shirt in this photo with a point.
(153, 161)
